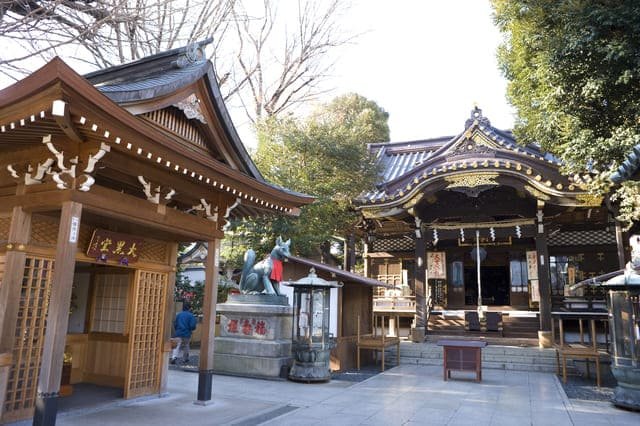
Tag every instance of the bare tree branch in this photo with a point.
(266, 64)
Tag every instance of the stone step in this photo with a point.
(493, 357)
(496, 365)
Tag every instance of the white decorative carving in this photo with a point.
(231, 207)
(13, 172)
(42, 169)
(206, 207)
(93, 159)
(170, 194)
(87, 183)
(146, 187)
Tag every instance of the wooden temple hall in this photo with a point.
(101, 176)
(441, 201)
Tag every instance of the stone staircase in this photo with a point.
(493, 357)
(520, 326)
(514, 324)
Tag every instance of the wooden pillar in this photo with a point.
(365, 257)
(544, 280)
(419, 327)
(205, 378)
(350, 253)
(169, 315)
(58, 315)
(19, 234)
(620, 244)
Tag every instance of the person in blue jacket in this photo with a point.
(184, 325)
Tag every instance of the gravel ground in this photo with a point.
(581, 387)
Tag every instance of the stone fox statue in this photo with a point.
(257, 279)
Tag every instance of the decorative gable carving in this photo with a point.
(175, 121)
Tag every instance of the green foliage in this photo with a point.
(185, 291)
(574, 74)
(325, 155)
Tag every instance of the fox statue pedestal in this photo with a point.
(255, 336)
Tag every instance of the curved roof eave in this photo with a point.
(57, 73)
(537, 189)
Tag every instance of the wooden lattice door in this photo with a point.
(22, 386)
(145, 342)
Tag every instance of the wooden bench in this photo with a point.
(582, 350)
(462, 355)
(380, 342)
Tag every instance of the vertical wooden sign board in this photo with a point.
(532, 273)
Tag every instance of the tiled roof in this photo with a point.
(398, 160)
(629, 166)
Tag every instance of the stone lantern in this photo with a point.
(312, 342)
(624, 321)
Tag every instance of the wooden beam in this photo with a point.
(420, 280)
(205, 378)
(620, 246)
(169, 315)
(110, 203)
(58, 315)
(67, 126)
(19, 234)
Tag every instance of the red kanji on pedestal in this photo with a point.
(261, 328)
(246, 327)
(232, 326)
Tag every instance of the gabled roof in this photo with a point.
(481, 151)
(110, 113)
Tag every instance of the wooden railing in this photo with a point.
(399, 304)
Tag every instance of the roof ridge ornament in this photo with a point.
(476, 117)
(193, 54)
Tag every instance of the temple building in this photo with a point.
(442, 205)
(101, 176)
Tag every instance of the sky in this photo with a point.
(426, 62)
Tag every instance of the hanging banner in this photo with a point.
(534, 291)
(436, 265)
(532, 265)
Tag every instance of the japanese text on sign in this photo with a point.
(436, 265)
(107, 245)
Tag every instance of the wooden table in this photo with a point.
(587, 349)
(462, 355)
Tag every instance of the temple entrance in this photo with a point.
(495, 285)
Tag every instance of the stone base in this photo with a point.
(250, 366)
(626, 397)
(418, 334)
(627, 393)
(544, 339)
(255, 339)
(310, 372)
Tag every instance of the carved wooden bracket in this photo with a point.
(64, 177)
(209, 212)
(156, 195)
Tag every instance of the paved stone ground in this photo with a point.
(404, 395)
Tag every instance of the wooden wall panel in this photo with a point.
(77, 345)
(145, 349)
(5, 223)
(44, 231)
(3, 258)
(30, 328)
(106, 361)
